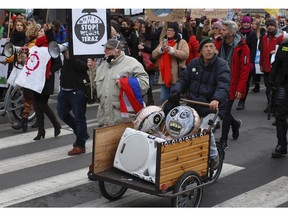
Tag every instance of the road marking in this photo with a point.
(38, 158)
(229, 169)
(27, 138)
(269, 195)
(133, 195)
(43, 187)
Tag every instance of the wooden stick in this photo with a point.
(195, 102)
(9, 25)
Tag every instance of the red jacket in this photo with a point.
(268, 43)
(218, 41)
(240, 67)
(193, 48)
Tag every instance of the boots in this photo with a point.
(256, 89)
(280, 151)
(241, 104)
(41, 134)
(35, 125)
(23, 124)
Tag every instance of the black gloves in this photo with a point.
(174, 97)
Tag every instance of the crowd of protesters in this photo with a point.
(166, 48)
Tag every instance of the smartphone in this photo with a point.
(165, 41)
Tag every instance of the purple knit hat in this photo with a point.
(246, 19)
(217, 24)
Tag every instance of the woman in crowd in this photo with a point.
(173, 52)
(40, 104)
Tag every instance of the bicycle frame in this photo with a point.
(8, 103)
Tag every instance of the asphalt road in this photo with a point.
(40, 174)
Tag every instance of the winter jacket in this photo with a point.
(108, 92)
(239, 65)
(178, 59)
(205, 83)
(193, 45)
(251, 41)
(267, 44)
(279, 73)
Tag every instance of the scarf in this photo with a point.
(245, 30)
(165, 65)
(42, 42)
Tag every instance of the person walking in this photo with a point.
(267, 47)
(206, 79)
(251, 41)
(31, 34)
(173, 52)
(236, 52)
(115, 76)
(72, 98)
(40, 100)
(279, 80)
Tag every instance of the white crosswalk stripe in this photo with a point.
(271, 194)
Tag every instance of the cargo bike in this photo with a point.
(182, 165)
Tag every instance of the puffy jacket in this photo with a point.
(205, 83)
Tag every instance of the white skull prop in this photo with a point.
(182, 121)
(149, 119)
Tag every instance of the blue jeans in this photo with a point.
(165, 92)
(75, 101)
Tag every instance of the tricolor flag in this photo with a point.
(130, 96)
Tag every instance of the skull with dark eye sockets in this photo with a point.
(182, 121)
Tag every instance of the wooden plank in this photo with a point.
(184, 156)
(203, 147)
(201, 169)
(105, 143)
(172, 182)
(183, 144)
(187, 164)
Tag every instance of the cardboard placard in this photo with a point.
(167, 15)
(209, 13)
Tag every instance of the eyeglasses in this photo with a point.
(192, 20)
(170, 30)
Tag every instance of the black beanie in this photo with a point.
(271, 22)
(175, 26)
(205, 41)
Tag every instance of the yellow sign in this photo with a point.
(167, 15)
(273, 12)
(209, 13)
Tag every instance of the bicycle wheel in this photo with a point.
(214, 174)
(111, 191)
(193, 197)
(17, 105)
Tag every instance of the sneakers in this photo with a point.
(280, 151)
(235, 129)
(214, 163)
(77, 151)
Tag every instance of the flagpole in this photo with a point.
(9, 24)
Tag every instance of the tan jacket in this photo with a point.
(181, 54)
(108, 92)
